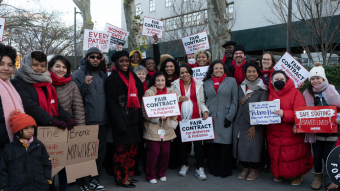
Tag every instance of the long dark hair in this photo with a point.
(188, 68)
(174, 62)
(211, 69)
(153, 80)
(272, 57)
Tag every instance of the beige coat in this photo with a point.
(152, 125)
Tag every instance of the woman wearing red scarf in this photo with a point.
(202, 58)
(170, 67)
(124, 93)
(221, 98)
(158, 148)
(267, 63)
(192, 105)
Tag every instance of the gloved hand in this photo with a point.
(60, 124)
(71, 122)
(227, 123)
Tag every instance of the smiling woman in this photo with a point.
(170, 67)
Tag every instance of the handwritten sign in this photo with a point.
(2, 28)
(194, 42)
(152, 26)
(200, 72)
(71, 149)
(118, 36)
(161, 105)
(316, 119)
(97, 39)
(262, 113)
(293, 69)
(197, 129)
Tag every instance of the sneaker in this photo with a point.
(163, 179)
(153, 181)
(200, 174)
(85, 188)
(96, 186)
(297, 181)
(278, 179)
(243, 174)
(184, 170)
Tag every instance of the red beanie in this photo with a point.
(19, 121)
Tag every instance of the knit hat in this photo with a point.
(317, 70)
(93, 50)
(239, 47)
(118, 54)
(229, 43)
(20, 121)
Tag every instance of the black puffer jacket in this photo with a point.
(3, 131)
(24, 169)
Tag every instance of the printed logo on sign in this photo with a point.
(315, 128)
(52, 101)
(133, 95)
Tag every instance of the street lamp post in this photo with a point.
(289, 25)
(75, 39)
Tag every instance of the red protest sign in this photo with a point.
(315, 119)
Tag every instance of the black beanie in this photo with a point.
(118, 54)
(279, 72)
(239, 47)
(93, 50)
(229, 43)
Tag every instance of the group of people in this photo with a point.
(45, 93)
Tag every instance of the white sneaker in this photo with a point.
(200, 174)
(184, 170)
(153, 181)
(163, 179)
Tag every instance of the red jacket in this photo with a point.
(290, 156)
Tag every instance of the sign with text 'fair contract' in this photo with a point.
(293, 69)
(161, 105)
(200, 72)
(98, 39)
(2, 28)
(72, 150)
(118, 35)
(197, 130)
(262, 113)
(152, 26)
(194, 42)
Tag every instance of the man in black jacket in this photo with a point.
(228, 53)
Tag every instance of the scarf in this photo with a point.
(192, 65)
(224, 58)
(174, 77)
(26, 143)
(254, 85)
(238, 73)
(151, 73)
(268, 71)
(11, 101)
(134, 64)
(218, 81)
(145, 86)
(50, 105)
(193, 98)
(58, 81)
(159, 92)
(132, 98)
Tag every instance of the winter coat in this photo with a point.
(152, 125)
(29, 97)
(156, 57)
(221, 105)
(93, 94)
(70, 99)
(199, 94)
(125, 122)
(243, 149)
(290, 156)
(25, 169)
(231, 68)
(3, 131)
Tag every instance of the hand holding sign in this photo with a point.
(155, 38)
(279, 112)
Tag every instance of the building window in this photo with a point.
(152, 5)
(230, 11)
(168, 3)
(138, 9)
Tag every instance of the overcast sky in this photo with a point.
(102, 11)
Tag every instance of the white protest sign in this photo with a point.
(161, 105)
(2, 28)
(152, 26)
(200, 72)
(293, 69)
(194, 42)
(118, 35)
(197, 130)
(97, 39)
(262, 113)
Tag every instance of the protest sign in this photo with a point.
(97, 39)
(118, 36)
(262, 113)
(152, 26)
(293, 69)
(333, 165)
(194, 42)
(200, 72)
(2, 28)
(71, 150)
(197, 130)
(161, 105)
(316, 119)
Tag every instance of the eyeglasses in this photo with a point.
(93, 57)
(266, 59)
(238, 53)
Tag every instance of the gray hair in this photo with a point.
(140, 68)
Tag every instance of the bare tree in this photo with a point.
(132, 24)
(85, 9)
(315, 24)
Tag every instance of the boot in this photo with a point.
(297, 181)
(316, 185)
(253, 174)
(243, 174)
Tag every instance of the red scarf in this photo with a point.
(224, 58)
(174, 77)
(218, 81)
(159, 92)
(145, 86)
(193, 98)
(268, 71)
(132, 100)
(151, 73)
(56, 81)
(192, 65)
(337, 143)
(239, 73)
(50, 105)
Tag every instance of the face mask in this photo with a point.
(279, 84)
(191, 61)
